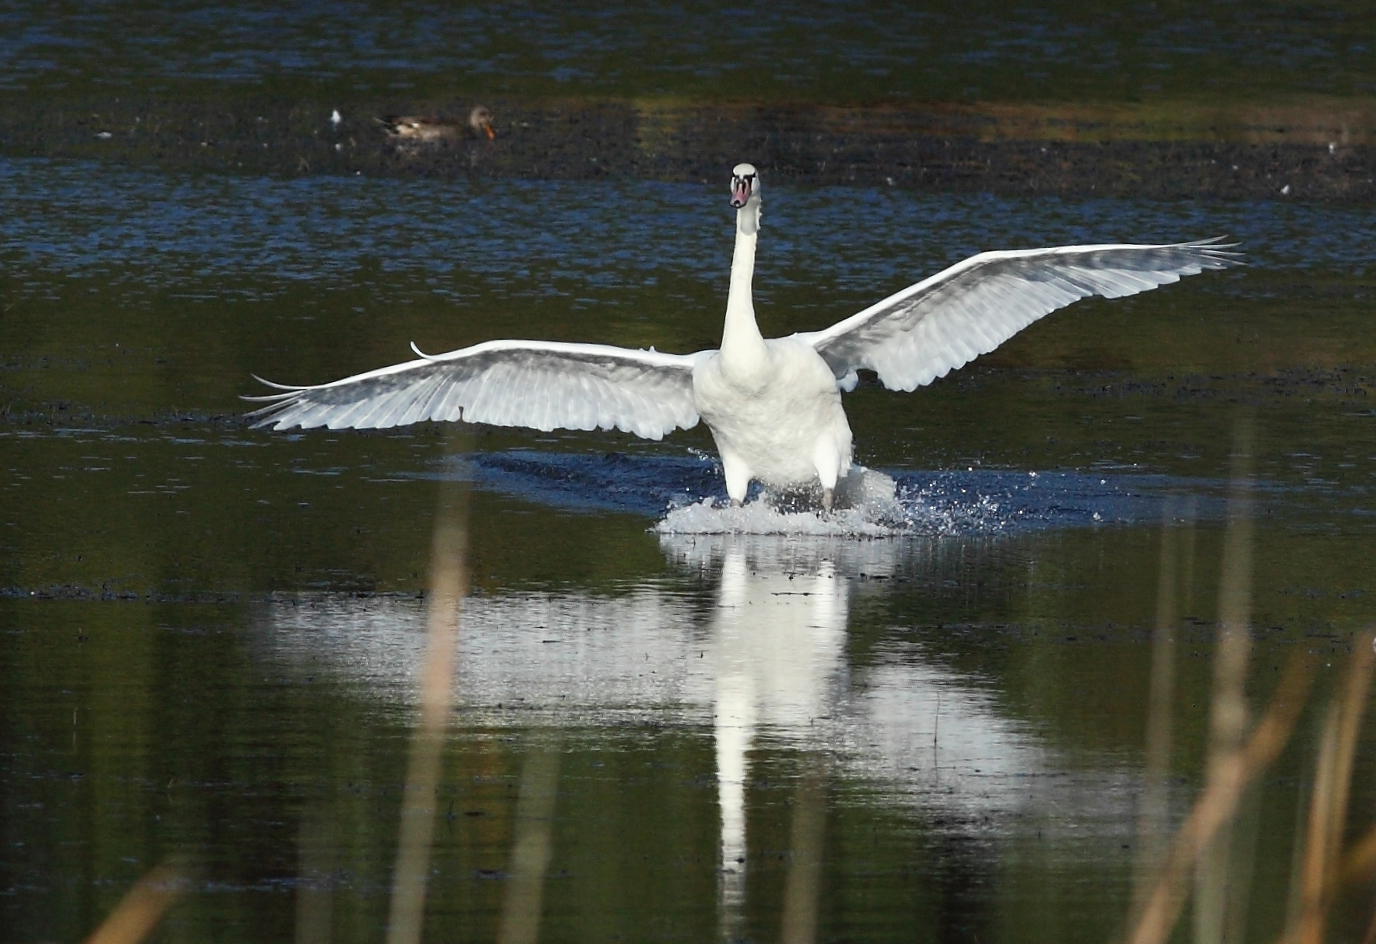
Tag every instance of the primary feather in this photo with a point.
(540, 384)
(943, 322)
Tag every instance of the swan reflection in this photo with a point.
(777, 637)
(752, 646)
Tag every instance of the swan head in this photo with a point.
(480, 120)
(745, 197)
(745, 183)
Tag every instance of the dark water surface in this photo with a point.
(812, 52)
(210, 636)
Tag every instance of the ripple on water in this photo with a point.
(204, 235)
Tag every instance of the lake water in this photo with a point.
(211, 636)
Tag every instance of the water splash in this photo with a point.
(870, 504)
(866, 506)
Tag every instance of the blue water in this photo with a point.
(950, 502)
(525, 239)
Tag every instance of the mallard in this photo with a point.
(426, 130)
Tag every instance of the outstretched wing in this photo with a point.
(540, 384)
(944, 322)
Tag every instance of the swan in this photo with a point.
(773, 405)
(412, 128)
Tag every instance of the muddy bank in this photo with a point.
(1296, 152)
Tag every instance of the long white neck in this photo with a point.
(742, 346)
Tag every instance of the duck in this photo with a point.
(413, 129)
(773, 405)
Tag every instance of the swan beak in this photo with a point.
(740, 191)
(487, 127)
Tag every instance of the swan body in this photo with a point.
(781, 424)
(773, 405)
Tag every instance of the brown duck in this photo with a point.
(425, 130)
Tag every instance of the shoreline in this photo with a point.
(1319, 150)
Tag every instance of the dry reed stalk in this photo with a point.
(1293, 905)
(531, 849)
(1360, 861)
(1188, 552)
(1151, 820)
(448, 584)
(1219, 802)
(314, 897)
(1228, 712)
(1322, 869)
(141, 908)
(1354, 866)
(803, 886)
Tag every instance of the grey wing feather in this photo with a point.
(539, 384)
(943, 322)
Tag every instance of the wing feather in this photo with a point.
(941, 323)
(427, 404)
(540, 384)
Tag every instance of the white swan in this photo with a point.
(773, 406)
